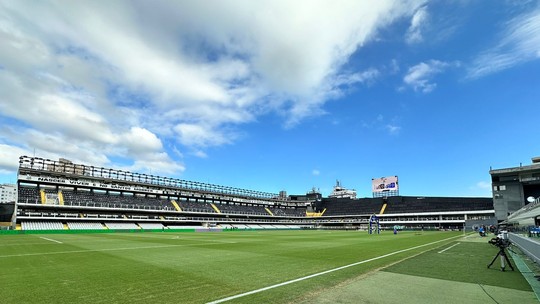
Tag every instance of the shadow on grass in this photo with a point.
(463, 262)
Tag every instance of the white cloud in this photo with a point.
(9, 157)
(393, 67)
(481, 188)
(157, 163)
(519, 43)
(315, 172)
(141, 141)
(130, 79)
(147, 151)
(418, 21)
(420, 76)
(195, 135)
(393, 129)
(367, 76)
(200, 154)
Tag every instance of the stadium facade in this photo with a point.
(61, 195)
(515, 187)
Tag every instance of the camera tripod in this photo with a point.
(504, 259)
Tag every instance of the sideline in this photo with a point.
(326, 272)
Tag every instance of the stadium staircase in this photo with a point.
(60, 198)
(43, 196)
(215, 208)
(383, 208)
(268, 210)
(175, 204)
(315, 214)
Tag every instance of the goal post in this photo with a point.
(374, 226)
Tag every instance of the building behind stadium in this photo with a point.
(8, 193)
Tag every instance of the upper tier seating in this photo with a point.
(402, 204)
(238, 209)
(345, 206)
(406, 204)
(191, 206)
(298, 212)
(86, 198)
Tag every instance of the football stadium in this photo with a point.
(77, 233)
(274, 151)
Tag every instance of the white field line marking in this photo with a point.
(449, 247)
(102, 250)
(51, 240)
(324, 272)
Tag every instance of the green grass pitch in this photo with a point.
(167, 267)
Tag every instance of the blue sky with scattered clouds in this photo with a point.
(275, 95)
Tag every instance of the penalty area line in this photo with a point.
(326, 272)
(50, 240)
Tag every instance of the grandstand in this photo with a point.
(63, 195)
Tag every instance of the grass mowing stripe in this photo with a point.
(449, 248)
(51, 240)
(326, 272)
(23, 244)
(104, 250)
(178, 237)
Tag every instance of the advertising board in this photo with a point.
(389, 183)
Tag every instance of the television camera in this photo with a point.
(502, 242)
(499, 242)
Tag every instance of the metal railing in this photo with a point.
(65, 166)
(530, 247)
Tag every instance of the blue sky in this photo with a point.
(275, 95)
